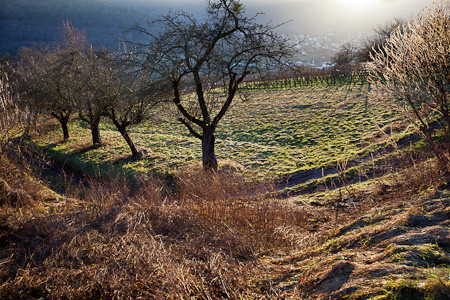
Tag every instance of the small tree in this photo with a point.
(95, 82)
(131, 96)
(48, 77)
(413, 69)
(45, 85)
(209, 56)
(345, 56)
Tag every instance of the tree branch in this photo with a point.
(181, 108)
(191, 130)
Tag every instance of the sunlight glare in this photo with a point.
(359, 3)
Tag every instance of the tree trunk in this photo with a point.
(124, 133)
(65, 129)
(209, 156)
(63, 119)
(95, 130)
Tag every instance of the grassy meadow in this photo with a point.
(274, 134)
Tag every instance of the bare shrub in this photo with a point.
(412, 72)
(12, 118)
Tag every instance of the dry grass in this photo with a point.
(393, 244)
(202, 238)
(400, 253)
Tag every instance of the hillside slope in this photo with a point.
(71, 228)
(24, 22)
(109, 240)
(396, 249)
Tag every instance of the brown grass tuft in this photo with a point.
(18, 198)
(4, 190)
(229, 203)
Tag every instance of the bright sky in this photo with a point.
(360, 4)
(314, 16)
(317, 15)
(323, 14)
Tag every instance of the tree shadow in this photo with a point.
(52, 145)
(334, 279)
(129, 158)
(85, 149)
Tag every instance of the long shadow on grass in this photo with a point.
(302, 177)
(129, 158)
(51, 168)
(86, 149)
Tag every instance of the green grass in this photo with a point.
(276, 133)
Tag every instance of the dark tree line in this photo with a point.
(28, 21)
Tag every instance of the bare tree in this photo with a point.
(131, 96)
(345, 56)
(210, 57)
(48, 78)
(95, 82)
(412, 70)
(74, 76)
(45, 85)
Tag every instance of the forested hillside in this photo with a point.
(24, 22)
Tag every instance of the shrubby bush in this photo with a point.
(412, 72)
